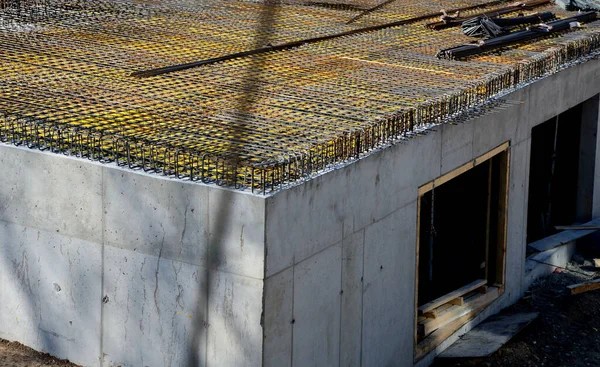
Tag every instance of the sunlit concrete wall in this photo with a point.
(340, 266)
(111, 267)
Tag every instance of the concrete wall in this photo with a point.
(111, 267)
(340, 265)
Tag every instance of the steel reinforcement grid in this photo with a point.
(257, 122)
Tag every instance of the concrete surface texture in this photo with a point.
(110, 267)
(355, 228)
(106, 266)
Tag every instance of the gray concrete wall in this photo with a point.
(340, 265)
(111, 267)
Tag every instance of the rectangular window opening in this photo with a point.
(561, 170)
(461, 246)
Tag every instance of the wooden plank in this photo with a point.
(452, 295)
(502, 218)
(435, 313)
(488, 223)
(452, 174)
(425, 188)
(443, 333)
(562, 238)
(488, 337)
(455, 312)
(492, 153)
(578, 228)
(458, 301)
(462, 169)
(584, 287)
(417, 246)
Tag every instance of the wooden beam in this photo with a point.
(582, 227)
(417, 247)
(452, 295)
(584, 287)
(433, 314)
(492, 153)
(458, 301)
(443, 333)
(455, 312)
(452, 174)
(488, 223)
(502, 218)
(462, 169)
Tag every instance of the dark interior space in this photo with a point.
(453, 248)
(553, 174)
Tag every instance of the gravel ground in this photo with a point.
(567, 332)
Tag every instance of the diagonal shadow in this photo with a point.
(243, 115)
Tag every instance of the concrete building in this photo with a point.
(322, 260)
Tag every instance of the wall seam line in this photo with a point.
(362, 296)
(341, 298)
(102, 228)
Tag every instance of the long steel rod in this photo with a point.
(294, 44)
(369, 11)
(509, 9)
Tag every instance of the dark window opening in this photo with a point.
(561, 172)
(459, 245)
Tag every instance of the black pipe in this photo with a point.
(470, 49)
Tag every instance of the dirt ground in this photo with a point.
(566, 333)
(14, 354)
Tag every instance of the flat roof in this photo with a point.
(256, 122)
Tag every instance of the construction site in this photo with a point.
(290, 182)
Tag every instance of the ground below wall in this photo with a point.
(567, 332)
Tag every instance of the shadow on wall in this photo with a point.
(49, 285)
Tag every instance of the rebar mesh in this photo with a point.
(65, 85)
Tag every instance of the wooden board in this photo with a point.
(462, 169)
(443, 333)
(488, 337)
(452, 295)
(579, 228)
(434, 314)
(584, 287)
(567, 236)
(444, 318)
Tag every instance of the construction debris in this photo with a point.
(494, 27)
(579, 4)
(542, 30)
(584, 287)
(566, 332)
(489, 336)
(456, 21)
(582, 227)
